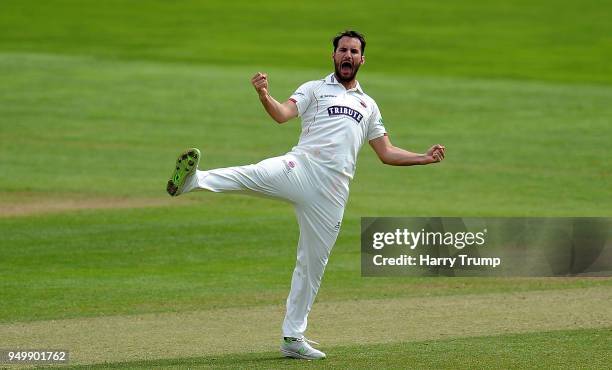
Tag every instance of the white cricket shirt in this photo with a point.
(336, 122)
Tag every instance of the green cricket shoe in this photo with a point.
(186, 164)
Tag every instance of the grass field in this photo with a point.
(97, 99)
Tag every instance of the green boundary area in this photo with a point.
(539, 40)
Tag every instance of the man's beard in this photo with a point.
(349, 78)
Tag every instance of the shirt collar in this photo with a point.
(332, 80)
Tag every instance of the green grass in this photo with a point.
(215, 254)
(97, 99)
(572, 349)
(545, 39)
(114, 128)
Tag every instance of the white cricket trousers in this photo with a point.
(319, 196)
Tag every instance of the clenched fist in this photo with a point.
(260, 83)
(437, 152)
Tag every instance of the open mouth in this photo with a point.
(346, 67)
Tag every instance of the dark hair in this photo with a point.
(350, 33)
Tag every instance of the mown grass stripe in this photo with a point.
(564, 349)
(244, 330)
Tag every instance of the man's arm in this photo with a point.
(280, 112)
(395, 156)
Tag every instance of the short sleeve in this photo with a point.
(302, 97)
(376, 128)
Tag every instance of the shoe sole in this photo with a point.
(293, 354)
(186, 164)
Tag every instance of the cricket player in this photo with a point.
(338, 117)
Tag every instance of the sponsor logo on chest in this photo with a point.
(339, 110)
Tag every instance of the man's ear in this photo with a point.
(362, 59)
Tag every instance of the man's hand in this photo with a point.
(279, 112)
(260, 83)
(394, 156)
(436, 153)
